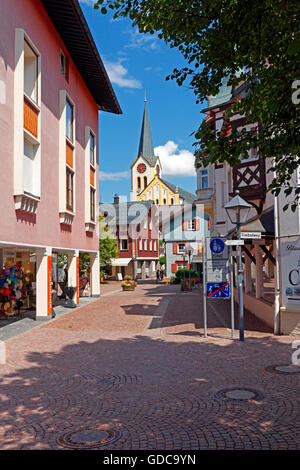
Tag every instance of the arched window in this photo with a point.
(172, 201)
(165, 201)
(139, 182)
(145, 182)
(157, 201)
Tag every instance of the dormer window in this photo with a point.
(62, 63)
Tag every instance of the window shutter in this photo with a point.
(184, 225)
(200, 248)
(174, 268)
(208, 223)
(197, 224)
(175, 249)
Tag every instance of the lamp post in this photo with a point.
(189, 251)
(237, 210)
(183, 287)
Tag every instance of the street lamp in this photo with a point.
(183, 282)
(189, 252)
(237, 210)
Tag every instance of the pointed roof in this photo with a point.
(146, 146)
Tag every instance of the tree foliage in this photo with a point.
(257, 42)
(108, 245)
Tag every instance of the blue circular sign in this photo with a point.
(217, 246)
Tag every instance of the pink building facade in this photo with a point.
(52, 85)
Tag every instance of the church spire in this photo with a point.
(146, 146)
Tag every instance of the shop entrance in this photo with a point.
(17, 284)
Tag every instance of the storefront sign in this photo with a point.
(49, 284)
(290, 270)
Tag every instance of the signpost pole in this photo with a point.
(232, 294)
(240, 281)
(204, 287)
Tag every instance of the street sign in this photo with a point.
(217, 267)
(216, 246)
(255, 235)
(234, 242)
(218, 290)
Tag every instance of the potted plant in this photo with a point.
(128, 285)
(102, 274)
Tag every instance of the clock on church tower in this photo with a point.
(141, 168)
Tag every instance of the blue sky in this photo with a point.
(137, 63)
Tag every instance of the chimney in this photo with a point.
(116, 199)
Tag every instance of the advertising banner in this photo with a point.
(290, 271)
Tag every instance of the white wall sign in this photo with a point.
(290, 271)
(255, 235)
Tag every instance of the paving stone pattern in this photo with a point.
(133, 370)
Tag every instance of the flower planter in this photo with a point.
(128, 287)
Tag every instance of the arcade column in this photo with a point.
(73, 273)
(44, 283)
(95, 274)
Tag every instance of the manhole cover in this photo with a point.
(239, 394)
(88, 438)
(284, 369)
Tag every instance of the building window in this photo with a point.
(124, 245)
(145, 182)
(181, 247)
(204, 179)
(62, 64)
(69, 189)
(69, 120)
(165, 201)
(157, 201)
(139, 183)
(145, 244)
(190, 224)
(30, 72)
(92, 149)
(150, 245)
(172, 201)
(92, 204)
(154, 245)
(140, 244)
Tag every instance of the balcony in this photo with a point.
(249, 178)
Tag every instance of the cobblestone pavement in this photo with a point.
(134, 368)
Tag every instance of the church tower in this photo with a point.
(146, 165)
(146, 174)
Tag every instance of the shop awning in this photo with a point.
(120, 261)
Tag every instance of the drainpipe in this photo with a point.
(277, 328)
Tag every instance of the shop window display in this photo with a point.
(11, 290)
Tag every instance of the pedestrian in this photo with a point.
(157, 276)
(161, 275)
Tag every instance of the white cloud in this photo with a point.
(118, 75)
(142, 41)
(114, 176)
(88, 2)
(175, 162)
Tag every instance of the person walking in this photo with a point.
(157, 276)
(161, 275)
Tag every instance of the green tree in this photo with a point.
(108, 245)
(108, 250)
(257, 42)
(162, 260)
